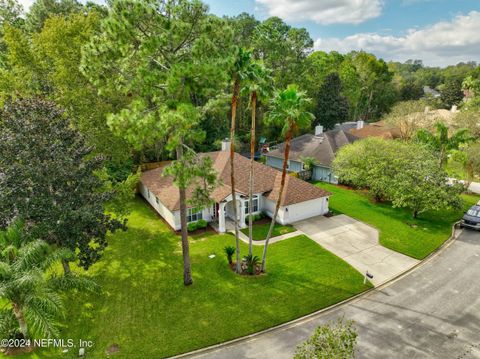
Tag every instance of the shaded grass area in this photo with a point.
(260, 230)
(416, 238)
(145, 309)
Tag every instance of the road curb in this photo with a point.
(454, 235)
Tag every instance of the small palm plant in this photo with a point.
(251, 261)
(229, 251)
(29, 286)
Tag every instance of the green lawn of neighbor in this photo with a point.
(260, 230)
(145, 309)
(416, 238)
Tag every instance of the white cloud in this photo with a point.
(26, 4)
(324, 11)
(443, 43)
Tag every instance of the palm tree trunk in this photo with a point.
(187, 272)
(21, 320)
(253, 102)
(66, 267)
(279, 200)
(236, 90)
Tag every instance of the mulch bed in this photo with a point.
(17, 351)
(260, 221)
(245, 271)
(209, 229)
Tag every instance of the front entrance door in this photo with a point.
(215, 209)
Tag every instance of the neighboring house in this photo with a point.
(300, 199)
(429, 92)
(322, 146)
(377, 129)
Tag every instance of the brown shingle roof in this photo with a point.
(322, 148)
(377, 129)
(295, 191)
(266, 179)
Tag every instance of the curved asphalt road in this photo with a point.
(433, 312)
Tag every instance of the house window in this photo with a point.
(193, 216)
(148, 193)
(157, 200)
(255, 205)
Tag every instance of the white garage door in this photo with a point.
(304, 210)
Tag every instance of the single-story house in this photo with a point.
(321, 146)
(300, 200)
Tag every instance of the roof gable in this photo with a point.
(322, 148)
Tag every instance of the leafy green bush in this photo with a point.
(251, 262)
(229, 251)
(192, 226)
(330, 341)
(201, 223)
(255, 217)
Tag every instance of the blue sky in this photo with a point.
(441, 32)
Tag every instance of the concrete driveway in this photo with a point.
(357, 244)
(432, 312)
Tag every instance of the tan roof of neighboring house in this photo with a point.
(377, 129)
(266, 180)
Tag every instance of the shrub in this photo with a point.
(330, 341)
(192, 226)
(255, 217)
(229, 251)
(201, 223)
(251, 262)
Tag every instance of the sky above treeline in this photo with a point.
(439, 32)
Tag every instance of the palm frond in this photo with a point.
(73, 281)
(46, 300)
(41, 323)
(32, 254)
(55, 256)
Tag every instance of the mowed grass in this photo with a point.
(145, 309)
(416, 238)
(260, 230)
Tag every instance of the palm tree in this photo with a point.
(288, 108)
(258, 85)
(441, 142)
(30, 286)
(241, 70)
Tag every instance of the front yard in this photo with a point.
(416, 238)
(146, 312)
(260, 230)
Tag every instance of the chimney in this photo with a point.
(226, 145)
(454, 108)
(360, 124)
(318, 130)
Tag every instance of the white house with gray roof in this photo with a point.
(321, 146)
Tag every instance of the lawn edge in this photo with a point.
(212, 348)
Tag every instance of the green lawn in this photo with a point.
(146, 310)
(398, 230)
(260, 230)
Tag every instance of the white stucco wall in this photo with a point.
(297, 212)
(172, 218)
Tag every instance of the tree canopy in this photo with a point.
(47, 178)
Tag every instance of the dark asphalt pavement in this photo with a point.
(433, 312)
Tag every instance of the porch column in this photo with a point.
(242, 224)
(221, 217)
